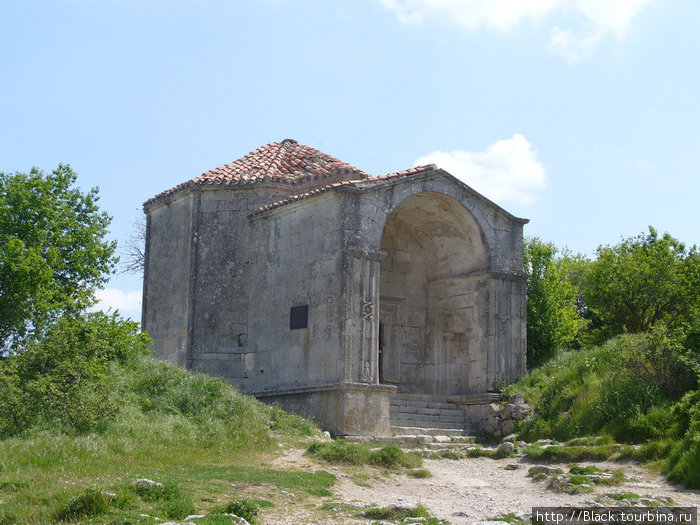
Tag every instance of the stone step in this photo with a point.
(426, 423)
(426, 431)
(428, 413)
(440, 406)
(430, 407)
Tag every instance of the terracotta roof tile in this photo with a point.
(291, 164)
(305, 195)
(328, 187)
(286, 162)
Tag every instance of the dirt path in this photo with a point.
(470, 490)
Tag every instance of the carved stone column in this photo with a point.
(362, 320)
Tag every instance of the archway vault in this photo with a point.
(429, 297)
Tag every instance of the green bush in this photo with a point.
(91, 502)
(636, 388)
(340, 451)
(346, 452)
(243, 508)
(684, 456)
(397, 513)
(206, 406)
(63, 378)
(285, 422)
(391, 456)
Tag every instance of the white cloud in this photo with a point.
(507, 170)
(574, 47)
(610, 16)
(471, 14)
(115, 299)
(598, 18)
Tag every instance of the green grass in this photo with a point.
(577, 469)
(511, 518)
(394, 513)
(602, 400)
(194, 434)
(447, 454)
(340, 451)
(420, 473)
(619, 496)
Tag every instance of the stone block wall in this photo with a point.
(168, 278)
(297, 261)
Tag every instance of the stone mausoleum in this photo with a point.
(363, 302)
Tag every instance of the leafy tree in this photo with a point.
(640, 282)
(62, 378)
(552, 315)
(53, 252)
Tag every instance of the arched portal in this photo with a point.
(431, 324)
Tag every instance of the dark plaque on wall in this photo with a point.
(299, 317)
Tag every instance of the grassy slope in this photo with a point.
(602, 391)
(193, 433)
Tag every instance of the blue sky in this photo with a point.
(582, 115)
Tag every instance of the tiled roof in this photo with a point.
(286, 162)
(328, 187)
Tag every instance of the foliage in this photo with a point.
(89, 503)
(53, 251)
(243, 508)
(285, 422)
(345, 452)
(640, 282)
(684, 456)
(637, 388)
(553, 319)
(209, 449)
(391, 456)
(62, 378)
(199, 403)
(397, 513)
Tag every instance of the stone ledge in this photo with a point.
(365, 387)
(475, 399)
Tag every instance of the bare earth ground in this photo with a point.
(463, 491)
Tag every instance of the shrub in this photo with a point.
(62, 378)
(420, 473)
(285, 422)
(397, 513)
(91, 502)
(340, 451)
(243, 508)
(388, 457)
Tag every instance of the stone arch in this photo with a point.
(428, 298)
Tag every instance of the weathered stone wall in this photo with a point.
(465, 332)
(168, 278)
(297, 260)
(439, 265)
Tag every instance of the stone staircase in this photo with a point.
(428, 419)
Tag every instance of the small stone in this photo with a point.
(516, 399)
(147, 482)
(508, 426)
(544, 442)
(237, 520)
(505, 449)
(543, 469)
